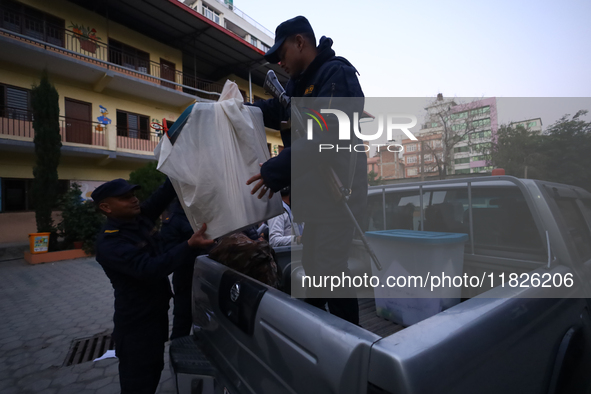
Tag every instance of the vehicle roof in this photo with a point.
(486, 181)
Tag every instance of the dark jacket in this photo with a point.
(328, 76)
(131, 253)
(175, 226)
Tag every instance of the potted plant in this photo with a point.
(86, 36)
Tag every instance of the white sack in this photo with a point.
(218, 149)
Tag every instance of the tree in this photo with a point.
(373, 179)
(560, 155)
(517, 151)
(149, 178)
(44, 103)
(565, 148)
(454, 123)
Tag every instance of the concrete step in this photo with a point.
(13, 251)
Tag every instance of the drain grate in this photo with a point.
(87, 349)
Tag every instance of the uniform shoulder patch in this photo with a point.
(111, 231)
(309, 89)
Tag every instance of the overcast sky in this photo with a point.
(459, 48)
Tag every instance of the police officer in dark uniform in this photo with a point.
(316, 72)
(176, 229)
(129, 250)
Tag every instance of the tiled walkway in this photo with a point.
(42, 309)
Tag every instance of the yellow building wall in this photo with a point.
(106, 29)
(275, 142)
(20, 165)
(243, 84)
(78, 91)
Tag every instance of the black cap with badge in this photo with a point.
(116, 187)
(297, 25)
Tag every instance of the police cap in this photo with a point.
(297, 25)
(116, 187)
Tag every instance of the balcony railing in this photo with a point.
(57, 39)
(134, 139)
(16, 122)
(19, 123)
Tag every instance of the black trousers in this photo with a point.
(141, 356)
(326, 251)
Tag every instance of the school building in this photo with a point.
(120, 68)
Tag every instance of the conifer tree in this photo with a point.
(44, 103)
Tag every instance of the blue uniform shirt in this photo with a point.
(132, 256)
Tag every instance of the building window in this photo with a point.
(480, 111)
(481, 148)
(460, 149)
(479, 158)
(411, 159)
(210, 13)
(412, 172)
(16, 194)
(532, 124)
(462, 161)
(411, 148)
(481, 123)
(481, 169)
(128, 56)
(265, 47)
(427, 157)
(464, 171)
(254, 41)
(31, 22)
(481, 134)
(15, 103)
(460, 115)
(459, 127)
(133, 125)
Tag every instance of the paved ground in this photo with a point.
(42, 309)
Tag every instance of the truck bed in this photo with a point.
(372, 322)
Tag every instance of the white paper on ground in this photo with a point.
(219, 148)
(108, 354)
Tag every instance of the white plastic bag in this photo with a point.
(218, 149)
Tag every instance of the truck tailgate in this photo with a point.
(266, 342)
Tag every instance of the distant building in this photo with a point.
(474, 123)
(534, 125)
(386, 163)
(421, 157)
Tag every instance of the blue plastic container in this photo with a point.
(408, 255)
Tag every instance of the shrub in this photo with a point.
(81, 221)
(149, 178)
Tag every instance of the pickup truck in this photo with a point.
(250, 338)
